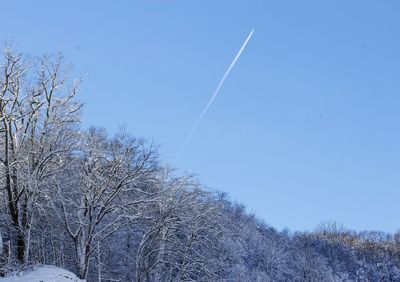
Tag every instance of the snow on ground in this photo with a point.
(45, 273)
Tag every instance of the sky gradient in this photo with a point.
(306, 126)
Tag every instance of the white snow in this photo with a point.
(45, 273)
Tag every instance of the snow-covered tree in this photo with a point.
(38, 111)
(181, 234)
(97, 199)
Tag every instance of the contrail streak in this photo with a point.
(213, 97)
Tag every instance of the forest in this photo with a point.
(108, 208)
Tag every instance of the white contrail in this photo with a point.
(213, 97)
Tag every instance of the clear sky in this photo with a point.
(307, 125)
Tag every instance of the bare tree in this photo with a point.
(183, 228)
(97, 201)
(37, 111)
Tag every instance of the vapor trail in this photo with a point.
(213, 97)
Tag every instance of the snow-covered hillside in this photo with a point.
(45, 273)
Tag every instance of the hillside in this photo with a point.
(108, 208)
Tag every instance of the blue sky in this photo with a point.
(306, 127)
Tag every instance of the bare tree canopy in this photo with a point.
(38, 112)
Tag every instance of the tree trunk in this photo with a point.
(1, 246)
(81, 266)
(21, 247)
(82, 262)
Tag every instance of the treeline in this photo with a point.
(108, 209)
